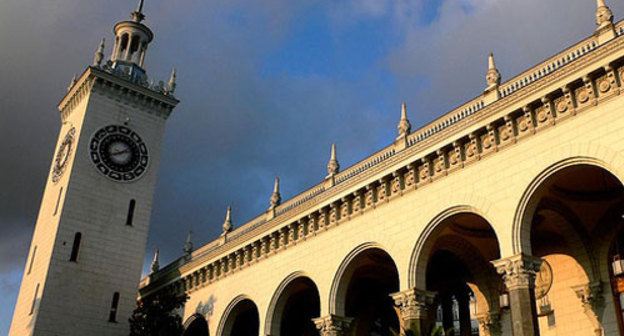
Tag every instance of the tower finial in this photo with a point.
(155, 266)
(604, 16)
(276, 198)
(227, 224)
(138, 16)
(404, 126)
(333, 167)
(188, 245)
(492, 77)
(99, 54)
(172, 82)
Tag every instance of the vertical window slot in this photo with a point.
(75, 247)
(130, 215)
(34, 301)
(32, 259)
(112, 317)
(58, 200)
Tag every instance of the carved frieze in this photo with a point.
(525, 123)
(471, 149)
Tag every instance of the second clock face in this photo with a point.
(119, 153)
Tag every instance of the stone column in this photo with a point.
(463, 303)
(519, 276)
(332, 325)
(446, 301)
(413, 305)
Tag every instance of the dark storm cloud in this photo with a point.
(238, 127)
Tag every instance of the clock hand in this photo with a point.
(120, 152)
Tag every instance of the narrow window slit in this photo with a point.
(75, 247)
(130, 215)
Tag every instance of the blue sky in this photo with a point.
(266, 87)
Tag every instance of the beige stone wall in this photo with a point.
(75, 297)
(496, 187)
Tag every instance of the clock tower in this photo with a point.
(86, 254)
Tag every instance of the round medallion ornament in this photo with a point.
(604, 85)
(583, 96)
(543, 280)
(63, 154)
(562, 106)
(119, 153)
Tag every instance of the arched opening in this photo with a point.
(298, 303)
(363, 292)
(196, 325)
(242, 319)
(454, 262)
(569, 222)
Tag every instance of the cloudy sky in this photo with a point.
(266, 87)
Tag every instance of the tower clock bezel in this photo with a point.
(119, 153)
(63, 154)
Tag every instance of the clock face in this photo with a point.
(119, 153)
(62, 155)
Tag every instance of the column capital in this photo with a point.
(518, 271)
(332, 325)
(413, 303)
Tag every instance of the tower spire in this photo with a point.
(492, 76)
(188, 245)
(604, 16)
(227, 224)
(99, 54)
(404, 126)
(138, 16)
(172, 82)
(276, 198)
(155, 266)
(333, 167)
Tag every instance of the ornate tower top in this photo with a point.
(604, 16)
(227, 224)
(404, 126)
(131, 40)
(333, 167)
(276, 198)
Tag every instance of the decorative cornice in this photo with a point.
(389, 173)
(96, 80)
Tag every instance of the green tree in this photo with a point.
(156, 315)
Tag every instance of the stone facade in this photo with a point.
(488, 192)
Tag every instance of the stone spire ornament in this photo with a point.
(492, 77)
(172, 82)
(227, 224)
(72, 82)
(138, 16)
(155, 266)
(333, 167)
(404, 126)
(276, 198)
(604, 16)
(188, 245)
(99, 54)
